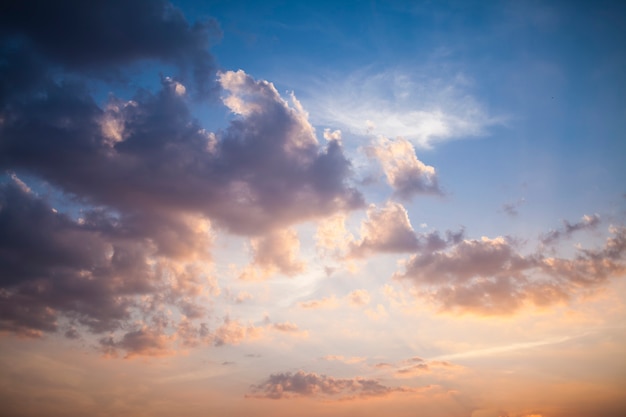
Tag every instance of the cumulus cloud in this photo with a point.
(53, 265)
(152, 182)
(407, 175)
(264, 171)
(386, 229)
(491, 276)
(100, 272)
(303, 384)
(153, 185)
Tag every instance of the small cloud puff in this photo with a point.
(587, 222)
(407, 175)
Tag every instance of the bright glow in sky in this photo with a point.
(240, 208)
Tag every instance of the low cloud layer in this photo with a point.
(303, 384)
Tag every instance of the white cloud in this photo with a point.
(405, 173)
(420, 105)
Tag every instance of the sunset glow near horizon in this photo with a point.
(293, 208)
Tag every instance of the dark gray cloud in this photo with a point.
(53, 265)
(100, 37)
(97, 271)
(303, 384)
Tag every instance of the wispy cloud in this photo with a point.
(420, 105)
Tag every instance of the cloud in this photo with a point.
(82, 38)
(327, 302)
(379, 313)
(587, 222)
(264, 171)
(332, 237)
(287, 327)
(99, 272)
(421, 106)
(233, 332)
(142, 342)
(407, 175)
(386, 229)
(302, 384)
(410, 370)
(152, 183)
(147, 186)
(347, 360)
(359, 297)
(53, 265)
(512, 208)
(490, 276)
(356, 298)
(274, 252)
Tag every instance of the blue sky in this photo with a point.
(246, 208)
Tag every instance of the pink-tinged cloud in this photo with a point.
(327, 302)
(302, 384)
(286, 327)
(142, 342)
(407, 175)
(233, 332)
(275, 252)
(359, 298)
(490, 276)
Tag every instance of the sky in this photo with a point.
(294, 208)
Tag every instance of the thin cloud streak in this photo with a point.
(487, 352)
